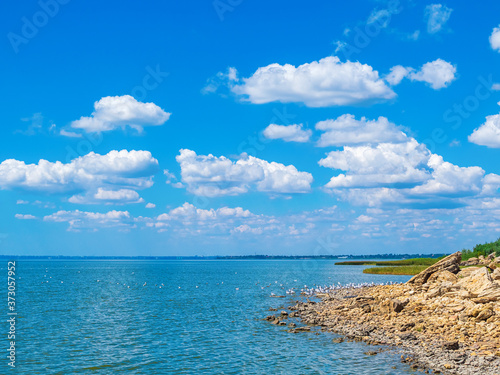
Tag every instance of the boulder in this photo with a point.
(470, 262)
(481, 285)
(496, 274)
(450, 263)
(392, 305)
(485, 314)
(467, 272)
(442, 276)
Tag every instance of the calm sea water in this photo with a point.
(178, 317)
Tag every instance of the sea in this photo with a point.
(178, 317)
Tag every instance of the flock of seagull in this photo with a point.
(335, 287)
(305, 291)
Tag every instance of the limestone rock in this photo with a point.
(392, 305)
(480, 285)
(485, 314)
(442, 276)
(470, 262)
(496, 274)
(450, 264)
(467, 272)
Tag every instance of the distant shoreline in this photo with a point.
(229, 257)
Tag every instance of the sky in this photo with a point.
(234, 127)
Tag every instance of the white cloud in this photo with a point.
(437, 74)
(436, 16)
(488, 134)
(104, 196)
(288, 133)
(244, 228)
(323, 83)
(216, 176)
(221, 79)
(383, 165)
(92, 220)
(65, 133)
(397, 74)
(365, 219)
(25, 217)
(125, 169)
(150, 205)
(381, 16)
(404, 174)
(188, 212)
(20, 201)
(495, 39)
(414, 35)
(450, 180)
(495, 87)
(346, 130)
(114, 112)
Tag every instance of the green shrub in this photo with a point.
(482, 249)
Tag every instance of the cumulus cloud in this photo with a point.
(110, 178)
(450, 180)
(150, 205)
(488, 134)
(92, 220)
(25, 217)
(288, 133)
(397, 74)
(104, 196)
(188, 212)
(190, 220)
(323, 83)
(115, 112)
(404, 173)
(208, 175)
(346, 130)
(495, 39)
(383, 165)
(436, 16)
(437, 74)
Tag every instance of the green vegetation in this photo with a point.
(417, 265)
(397, 270)
(482, 249)
(404, 262)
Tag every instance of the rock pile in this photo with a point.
(490, 261)
(447, 318)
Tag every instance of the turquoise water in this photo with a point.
(178, 317)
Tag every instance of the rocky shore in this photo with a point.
(444, 320)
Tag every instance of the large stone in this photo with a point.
(450, 263)
(485, 314)
(392, 305)
(480, 285)
(467, 272)
(496, 274)
(442, 276)
(470, 262)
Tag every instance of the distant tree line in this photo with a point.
(482, 249)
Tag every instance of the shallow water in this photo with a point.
(179, 317)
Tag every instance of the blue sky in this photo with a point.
(242, 127)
